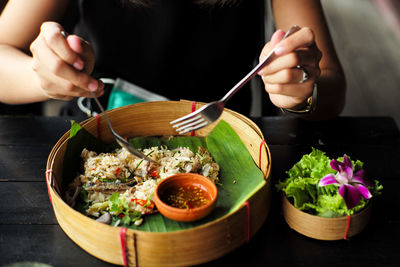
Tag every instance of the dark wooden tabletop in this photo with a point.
(29, 230)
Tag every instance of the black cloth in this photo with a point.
(176, 48)
(27, 109)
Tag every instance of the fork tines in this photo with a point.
(190, 122)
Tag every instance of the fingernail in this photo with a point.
(78, 64)
(279, 51)
(93, 86)
(274, 34)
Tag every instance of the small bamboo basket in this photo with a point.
(325, 228)
(197, 245)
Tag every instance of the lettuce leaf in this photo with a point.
(301, 187)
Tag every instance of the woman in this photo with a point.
(194, 49)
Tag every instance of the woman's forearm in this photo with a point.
(19, 84)
(20, 23)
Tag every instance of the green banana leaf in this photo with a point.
(239, 176)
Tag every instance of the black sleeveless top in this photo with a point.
(176, 48)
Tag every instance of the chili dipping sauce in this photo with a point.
(185, 196)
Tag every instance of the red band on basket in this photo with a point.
(98, 126)
(247, 204)
(347, 228)
(193, 110)
(48, 186)
(259, 155)
(122, 236)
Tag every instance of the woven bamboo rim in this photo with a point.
(325, 228)
(179, 248)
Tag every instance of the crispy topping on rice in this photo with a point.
(135, 179)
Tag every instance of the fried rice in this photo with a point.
(132, 181)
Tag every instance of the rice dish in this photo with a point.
(122, 185)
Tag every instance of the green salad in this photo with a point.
(328, 187)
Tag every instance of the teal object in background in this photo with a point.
(119, 98)
(125, 93)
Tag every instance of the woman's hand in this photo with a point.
(64, 64)
(285, 77)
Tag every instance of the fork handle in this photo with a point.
(102, 110)
(256, 69)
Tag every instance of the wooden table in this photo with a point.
(29, 229)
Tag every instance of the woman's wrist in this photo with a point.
(308, 106)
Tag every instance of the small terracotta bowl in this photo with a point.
(170, 186)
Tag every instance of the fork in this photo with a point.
(213, 110)
(121, 141)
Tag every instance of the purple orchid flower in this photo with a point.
(351, 186)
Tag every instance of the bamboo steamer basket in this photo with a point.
(179, 248)
(325, 228)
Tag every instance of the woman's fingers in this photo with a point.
(292, 89)
(275, 39)
(304, 57)
(288, 96)
(49, 64)
(84, 50)
(59, 88)
(63, 65)
(283, 101)
(292, 75)
(302, 38)
(51, 33)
